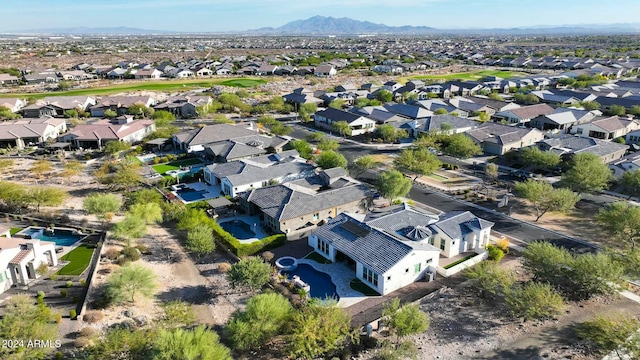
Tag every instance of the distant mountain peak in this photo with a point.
(329, 25)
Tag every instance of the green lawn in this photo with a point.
(166, 85)
(78, 258)
(174, 165)
(13, 231)
(471, 75)
(359, 286)
(460, 261)
(438, 177)
(317, 258)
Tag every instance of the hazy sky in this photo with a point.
(226, 15)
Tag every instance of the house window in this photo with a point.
(316, 216)
(579, 130)
(416, 268)
(432, 241)
(429, 261)
(370, 276)
(323, 246)
(442, 244)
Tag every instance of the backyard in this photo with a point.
(174, 165)
(470, 75)
(78, 259)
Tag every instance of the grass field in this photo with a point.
(471, 75)
(78, 258)
(438, 177)
(168, 85)
(174, 165)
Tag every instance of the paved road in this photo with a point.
(503, 224)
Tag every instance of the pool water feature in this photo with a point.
(239, 229)
(61, 237)
(286, 263)
(321, 285)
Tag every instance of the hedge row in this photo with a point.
(241, 249)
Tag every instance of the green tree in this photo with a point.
(200, 240)
(306, 110)
(635, 110)
(630, 182)
(490, 279)
(544, 261)
(191, 218)
(315, 136)
(13, 195)
(114, 147)
(393, 184)
(495, 96)
(251, 272)
(140, 111)
(618, 110)
(483, 117)
(145, 196)
(280, 129)
(302, 147)
(590, 105)
(328, 145)
(110, 114)
(342, 128)
(265, 316)
(461, 146)
(64, 85)
(587, 174)
(24, 320)
(389, 133)
(150, 213)
(267, 120)
(544, 197)
(363, 164)
(46, 196)
(612, 333)
(440, 111)
(404, 320)
(72, 113)
(384, 96)
(331, 159)
(419, 161)
(122, 343)
(337, 104)
(317, 329)
(491, 171)
(221, 119)
(622, 221)
(129, 229)
(163, 118)
(7, 114)
(533, 301)
(128, 281)
(540, 159)
(101, 205)
(199, 343)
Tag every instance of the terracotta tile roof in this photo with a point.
(20, 256)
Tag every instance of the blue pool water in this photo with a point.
(321, 285)
(60, 237)
(239, 229)
(189, 195)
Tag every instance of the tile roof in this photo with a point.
(531, 111)
(456, 224)
(612, 123)
(498, 133)
(213, 133)
(576, 144)
(23, 254)
(106, 131)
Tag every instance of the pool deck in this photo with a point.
(251, 220)
(341, 276)
(212, 191)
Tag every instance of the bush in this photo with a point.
(69, 283)
(76, 299)
(112, 254)
(224, 267)
(92, 317)
(144, 250)
(503, 244)
(57, 318)
(63, 293)
(53, 277)
(267, 256)
(123, 261)
(72, 314)
(495, 253)
(41, 294)
(131, 253)
(87, 331)
(83, 282)
(240, 249)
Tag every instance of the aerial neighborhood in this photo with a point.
(307, 197)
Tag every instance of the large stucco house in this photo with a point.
(20, 259)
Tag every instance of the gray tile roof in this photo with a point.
(498, 133)
(455, 224)
(252, 174)
(213, 133)
(401, 219)
(576, 144)
(222, 170)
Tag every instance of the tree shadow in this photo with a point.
(196, 295)
(528, 353)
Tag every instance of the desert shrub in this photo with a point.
(69, 283)
(72, 314)
(224, 267)
(83, 282)
(503, 244)
(495, 253)
(53, 277)
(93, 317)
(58, 318)
(112, 254)
(41, 294)
(63, 293)
(267, 256)
(123, 261)
(131, 253)
(144, 250)
(64, 219)
(76, 299)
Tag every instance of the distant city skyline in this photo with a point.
(238, 15)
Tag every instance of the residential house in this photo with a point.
(607, 128)
(63, 103)
(549, 97)
(495, 105)
(205, 72)
(606, 103)
(184, 106)
(266, 69)
(243, 147)
(378, 113)
(358, 124)
(561, 119)
(325, 70)
(120, 104)
(296, 208)
(195, 140)
(626, 163)
(6, 79)
(20, 259)
(439, 123)
(498, 139)
(74, 75)
(40, 79)
(408, 111)
(30, 132)
(243, 175)
(568, 145)
(38, 110)
(633, 137)
(148, 74)
(13, 104)
(97, 134)
(521, 116)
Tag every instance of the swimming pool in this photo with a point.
(188, 194)
(61, 237)
(239, 229)
(321, 285)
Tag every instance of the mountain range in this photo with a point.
(327, 25)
